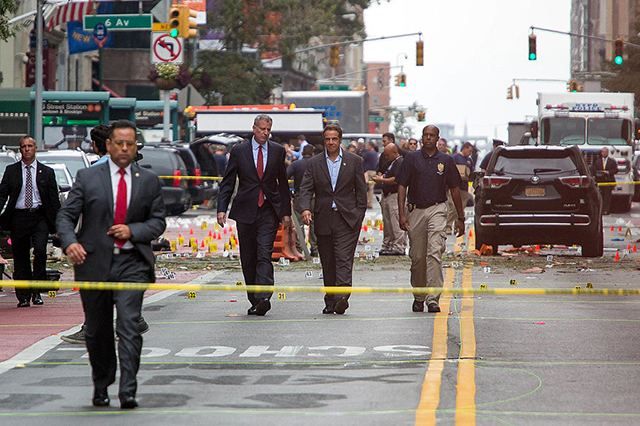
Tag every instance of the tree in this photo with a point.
(240, 79)
(627, 78)
(7, 9)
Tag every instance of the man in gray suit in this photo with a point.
(336, 178)
(123, 212)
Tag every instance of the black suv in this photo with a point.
(538, 195)
(167, 162)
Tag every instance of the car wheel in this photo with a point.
(594, 246)
(636, 193)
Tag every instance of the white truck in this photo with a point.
(591, 121)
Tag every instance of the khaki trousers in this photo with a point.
(394, 238)
(370, 184)
(426, 246)
(452, 214)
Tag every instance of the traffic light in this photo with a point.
(334, 56)
(532, 47)
(510, 92)
(401, 79)
(180, 22)
(618, 48)
(419, 53)
(517, 91)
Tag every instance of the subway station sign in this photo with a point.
(71, 113)
(148, 118)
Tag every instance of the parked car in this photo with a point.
(74, 159)
(64, 180)
(204, 149)
(636, 178)
(201, 190)
(538, 195)
(167, 162)
(7, 157)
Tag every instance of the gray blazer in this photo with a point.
(92, 197)
(350, 195)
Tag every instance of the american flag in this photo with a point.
(69, 11)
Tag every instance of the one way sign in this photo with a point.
(165, 48)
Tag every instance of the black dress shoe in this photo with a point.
(328, 310)
(341, 306)
(128, 402)
(252, 310)
(37, 299)
(24, 303)
(100, 398)
(143, 326)
(418, 306)
(433, 307)
(262, 307)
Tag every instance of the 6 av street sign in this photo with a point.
(119, 22)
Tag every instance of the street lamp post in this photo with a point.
(39, 74)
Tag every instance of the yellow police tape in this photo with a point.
(483, 290)
(370, 182)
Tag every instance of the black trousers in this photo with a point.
(29, 230)
(98, 308)
(336, 251)
(605, 192)
(256, 247)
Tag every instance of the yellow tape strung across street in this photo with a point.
(87, 285)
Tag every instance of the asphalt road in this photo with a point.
(485, 359)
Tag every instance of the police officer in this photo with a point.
(422, 185)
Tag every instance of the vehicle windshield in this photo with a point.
(562, 131)
(73, 164)
(608, 131)
(509, 166)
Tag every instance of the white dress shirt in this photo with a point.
(114, 172)
(37, 201)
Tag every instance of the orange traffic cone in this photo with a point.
(190, 231)
(281, 246)
(616, 258)
(470, 233)
(612, 229)
(619, 228)
(635, 248)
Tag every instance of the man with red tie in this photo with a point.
(123, 212)
(260, 204)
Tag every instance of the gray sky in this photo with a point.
(472, 51)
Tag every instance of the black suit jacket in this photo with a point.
(611, 166)
(274, 183)
(350, 195)
(92, 197)
(11, 186)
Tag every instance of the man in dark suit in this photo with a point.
(30, 216)
(604, 169)
(336, 179)
(296, 171)
(123, 212)
(261, 202)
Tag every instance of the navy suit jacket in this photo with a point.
(274, 183)
(11, 186)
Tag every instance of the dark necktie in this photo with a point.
(28, 190)
(121, 204)
(260, 169)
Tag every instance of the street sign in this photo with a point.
(333, 87)
(376, 119)
(160, 27)
(119, 22)
(165, 48)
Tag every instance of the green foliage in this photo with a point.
(241, 80)
(627, 78)
(7, 9)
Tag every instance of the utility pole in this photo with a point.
(37, 125)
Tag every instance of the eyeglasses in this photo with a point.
(120, 144)
(413, 143)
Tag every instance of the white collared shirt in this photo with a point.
(114, 173)
(37, 201)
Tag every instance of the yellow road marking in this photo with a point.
(430, 395)
(466, 381)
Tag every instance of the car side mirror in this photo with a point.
(534, 129)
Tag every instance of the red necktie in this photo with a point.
(260, 168)
(121, 205)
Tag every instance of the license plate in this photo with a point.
(534, 191)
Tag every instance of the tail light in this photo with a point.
(623, 165)
(495, 182)
(576, 181)
(198, 173)
(176, 178)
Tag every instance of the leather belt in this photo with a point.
(118, 250)
(32, 210)
(425, 206)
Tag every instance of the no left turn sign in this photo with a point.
(165, 48)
